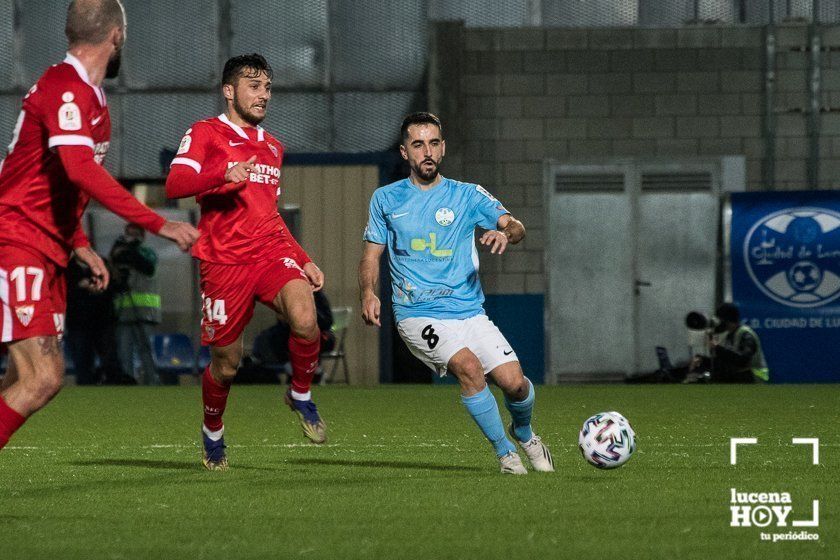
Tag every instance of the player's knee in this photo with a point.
(224, 369)
(224, 365)
(517, 389)
(304, 324)
(43, 388)
(469, 371)
(520, 391)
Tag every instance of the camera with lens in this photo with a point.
(696, 321)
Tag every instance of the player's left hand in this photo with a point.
(314, 275)
(497, 240)
(99, 276)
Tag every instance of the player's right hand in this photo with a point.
(240, 172)
(182, 233)
(370, 309)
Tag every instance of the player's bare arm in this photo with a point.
(510, 230)
(368, 278)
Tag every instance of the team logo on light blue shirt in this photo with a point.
(444, 216)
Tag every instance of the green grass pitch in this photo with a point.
(406, 474)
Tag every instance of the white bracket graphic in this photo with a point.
(733, 447)
(815, 442)
(815, 517)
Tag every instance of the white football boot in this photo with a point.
(538, 454)
(512, 464)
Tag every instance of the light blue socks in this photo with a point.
(484, 410)
(521, 412)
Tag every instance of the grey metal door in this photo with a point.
(676, 257)
(632, 247)
(590, 259)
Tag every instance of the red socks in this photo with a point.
(304, 358)
(215, 397)
(10, 421)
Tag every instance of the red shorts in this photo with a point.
(229, 292)
(33, 295)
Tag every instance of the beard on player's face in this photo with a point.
(427, 169)
(113, 68)
(246, 113)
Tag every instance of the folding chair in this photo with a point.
(667, 372)
(174, 355)
(341, 320)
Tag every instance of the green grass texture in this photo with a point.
(115, 472)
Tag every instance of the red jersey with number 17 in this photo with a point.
(243, 226)
(39, 208)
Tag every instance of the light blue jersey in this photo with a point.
(430, 238)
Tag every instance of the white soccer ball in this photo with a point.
(607, 440)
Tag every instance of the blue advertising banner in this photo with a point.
(785, 251)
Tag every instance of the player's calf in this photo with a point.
(39, 366)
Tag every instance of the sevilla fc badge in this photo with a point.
(24, 314)
(211, 332)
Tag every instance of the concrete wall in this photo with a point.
(511, 98)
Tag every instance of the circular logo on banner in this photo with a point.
(445, 216)
(793, 256)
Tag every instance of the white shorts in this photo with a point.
(435, 341)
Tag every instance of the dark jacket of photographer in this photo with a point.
(738, 358)
(138, 296)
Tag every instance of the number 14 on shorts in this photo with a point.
(214, 310)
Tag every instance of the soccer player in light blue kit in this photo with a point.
(427, 224)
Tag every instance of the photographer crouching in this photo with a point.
(136, 302)
(735, 354)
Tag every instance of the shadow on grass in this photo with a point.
(155, 464)
(384, 464)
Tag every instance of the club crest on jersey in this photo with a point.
(210, 331)
(444, 216)
(273, 150)
(24, 314)
(186, 141)
(69, 114)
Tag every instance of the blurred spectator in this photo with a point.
(272, 345)
(737, 356)
(136, 302)
(89, 328)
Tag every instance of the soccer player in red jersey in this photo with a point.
(51, 170)
(246, 252)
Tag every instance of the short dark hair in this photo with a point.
(90, 21)
(248, 65)
(728, 312)
(419, 118)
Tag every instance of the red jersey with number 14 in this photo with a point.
(243, 226)
(39, 208)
